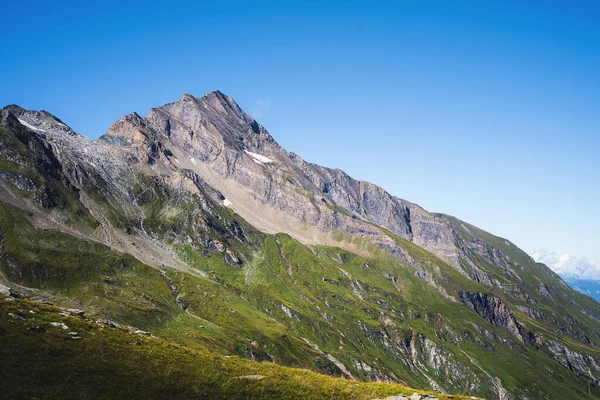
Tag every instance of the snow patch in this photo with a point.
(25, 123)
(258, 158)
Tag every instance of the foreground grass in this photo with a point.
(116, 363)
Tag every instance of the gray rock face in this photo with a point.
(215, 132)
(493, 310)
(438, 365)
(40, 121)
(5, 290)
(19, 180)
(575, 361)
(64, 154)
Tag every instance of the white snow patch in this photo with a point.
(30, 126)
(258, 158)
(193, 161)
(227, 203)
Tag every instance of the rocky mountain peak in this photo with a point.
(196, 124)
(129, 129)
(187, 97)
(39, 121)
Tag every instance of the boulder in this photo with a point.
(5, 290)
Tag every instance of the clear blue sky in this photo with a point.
(489, 111)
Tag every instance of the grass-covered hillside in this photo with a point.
(316, 307)
(49, 353)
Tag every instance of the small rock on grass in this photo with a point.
(59, 325)
(106, 322)
(5, 290)
(75, 311)
(15, 316)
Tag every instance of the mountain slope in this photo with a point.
(194, 224)
(85, 350)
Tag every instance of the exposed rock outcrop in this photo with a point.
(493, 310)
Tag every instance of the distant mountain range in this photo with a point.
(581, 273)
(585, 286)
(568, 266)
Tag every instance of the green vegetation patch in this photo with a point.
(44, 361)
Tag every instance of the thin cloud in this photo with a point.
(569, 266)
(260, 107)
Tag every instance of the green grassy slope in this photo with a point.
(284, 297)
(44, 361)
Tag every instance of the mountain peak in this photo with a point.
(187, 97)
(214, 94)
(196, 124)
(39, 121)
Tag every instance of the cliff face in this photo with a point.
(179, 222)
(493, 310)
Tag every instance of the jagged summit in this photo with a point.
(42, 121)
(201, 125)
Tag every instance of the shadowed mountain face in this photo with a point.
(194, 224)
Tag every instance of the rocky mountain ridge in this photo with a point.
(198, 199)
(306, 192)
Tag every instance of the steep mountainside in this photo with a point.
(194, 224)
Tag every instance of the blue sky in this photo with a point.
(489, 111)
